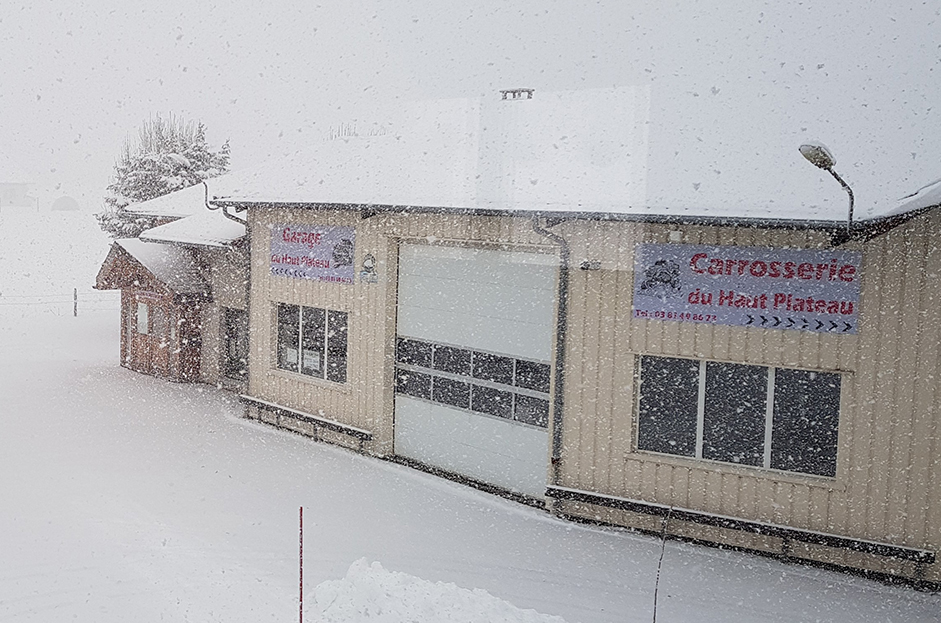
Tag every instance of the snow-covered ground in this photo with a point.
(126, 498)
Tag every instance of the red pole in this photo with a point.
(301, 562)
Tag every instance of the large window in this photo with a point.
(312, 341)
(777, 418)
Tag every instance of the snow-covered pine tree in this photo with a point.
(170, 154)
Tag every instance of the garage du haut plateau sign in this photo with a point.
(799, 289)
(319, 253)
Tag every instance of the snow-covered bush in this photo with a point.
(170, 154)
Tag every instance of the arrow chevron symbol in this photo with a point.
(777, 321)
(790, 322)
(819, 324)
(751, 319)
(804, 326)
(833, 325)
(764, 320)
(848, 327)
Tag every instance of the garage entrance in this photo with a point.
(473, 355)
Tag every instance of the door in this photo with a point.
(148, 330)
(235, 344)
(473, 351)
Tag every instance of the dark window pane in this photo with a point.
(413, 352)
(449, 392)
(413, 384)
(492, 401)
(669, 399)
(734, 418)
(288, 336)
(337, 323)
(531, 410)
(806, 419)
(450, 359)
(312, 341)
(493, 368)
(534, 376)
(235, 343)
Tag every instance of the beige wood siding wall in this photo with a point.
(227, 272)
(366, 399)
(888, 471)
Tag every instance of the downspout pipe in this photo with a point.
(561, 329)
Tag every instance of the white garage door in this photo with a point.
(473, 355)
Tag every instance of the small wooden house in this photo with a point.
(162, 295)
(184, 291)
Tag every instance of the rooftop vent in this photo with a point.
(517, 94)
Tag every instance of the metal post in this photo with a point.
(75, 302)
(849, 191)
(301, 563)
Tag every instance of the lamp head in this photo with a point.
(818, 155)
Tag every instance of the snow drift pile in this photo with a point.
(369, 593)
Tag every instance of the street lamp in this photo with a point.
(820, 156)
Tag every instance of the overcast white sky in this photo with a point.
(735, 85)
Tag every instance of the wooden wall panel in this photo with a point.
(888, 446)
(888, 443)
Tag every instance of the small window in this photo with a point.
(776, 418)
(312, 341)
(143, 318)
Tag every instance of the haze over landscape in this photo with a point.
(734, 86)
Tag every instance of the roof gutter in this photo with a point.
(561, 330)
(862, 230)
(224, 208)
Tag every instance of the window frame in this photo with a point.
(769, 416)
(328, 340)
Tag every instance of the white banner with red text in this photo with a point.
(800, 289)
(319, 253)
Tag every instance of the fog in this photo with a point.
(734, 87)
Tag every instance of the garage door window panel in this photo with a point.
(492, 401)
(450, 392)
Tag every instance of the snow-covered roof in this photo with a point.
(581, 152)
(208, 228)
(173, 265)
(570, 151)
(177, 204)
(925, 197)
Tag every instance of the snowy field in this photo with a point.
(126, 498)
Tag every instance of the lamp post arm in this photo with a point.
(849, 191)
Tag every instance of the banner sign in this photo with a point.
(319, 253)
(806, 290)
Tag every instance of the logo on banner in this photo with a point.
(322, 253)
(799, 289)
(661, 279)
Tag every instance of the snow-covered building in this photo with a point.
(183, 292)
(470, 294)
(14, 187)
